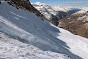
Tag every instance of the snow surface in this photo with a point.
(45, 9)
(13, 49)
(42, 37)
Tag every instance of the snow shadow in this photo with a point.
(44, 36)
(74, 10)
(30, 29)
(61, 46)
(63, 14)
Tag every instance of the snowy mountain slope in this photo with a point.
(14, 49)
(39, 6)
(83, 9)
(54, 13)
(47, 11)
(28, 28)
(78, 45)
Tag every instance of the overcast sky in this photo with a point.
(64, 2)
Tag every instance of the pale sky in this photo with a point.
(77, 3)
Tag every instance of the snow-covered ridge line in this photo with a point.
(54, 13)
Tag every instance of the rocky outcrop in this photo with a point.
(25, 4)
(0, 1)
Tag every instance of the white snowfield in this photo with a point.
(36, 39)
(13, 49)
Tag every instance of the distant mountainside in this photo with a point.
(76, 23)
(74, 19)
(48, 12)
(54, 13)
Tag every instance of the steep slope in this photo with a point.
(13, 49)
(29, 29)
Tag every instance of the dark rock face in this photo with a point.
(76, 23)
(0, 1)
(54, 20)
(25, 4)
(62, 14)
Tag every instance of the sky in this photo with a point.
(76, 3)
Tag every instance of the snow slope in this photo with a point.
(44, 8)
(48, 12)
(78, 45)
(14, 49)
(30, 29)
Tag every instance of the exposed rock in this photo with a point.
(25, 4)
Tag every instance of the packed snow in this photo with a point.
(33, 38)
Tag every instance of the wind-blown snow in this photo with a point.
(28, 28)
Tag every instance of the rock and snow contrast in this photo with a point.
(54, 13)
(77, 23)
(47, 11)
(74, 19)
(23, 35)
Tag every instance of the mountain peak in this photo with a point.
(39, 3)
